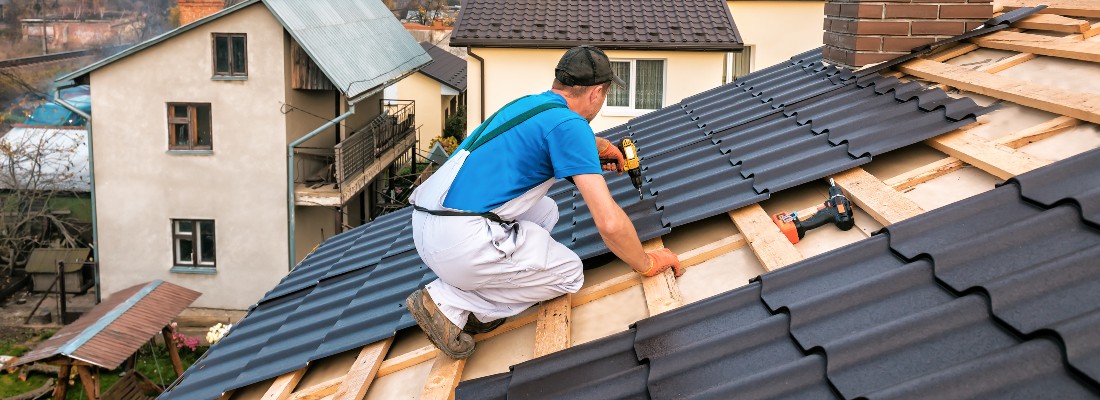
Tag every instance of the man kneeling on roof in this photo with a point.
(483, 220)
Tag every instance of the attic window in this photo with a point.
(230, 55)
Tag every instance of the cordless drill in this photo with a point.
(631, 163)
(835, 210)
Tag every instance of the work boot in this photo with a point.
(444, 334)
(475, 326)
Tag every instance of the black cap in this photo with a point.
(585, 66)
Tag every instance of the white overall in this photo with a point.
(490, 269)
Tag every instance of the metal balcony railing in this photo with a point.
(358, 152)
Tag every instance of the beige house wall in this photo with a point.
(425, 91)
(777, 30)
(140, 186)
(512, 73)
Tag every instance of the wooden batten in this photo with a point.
(1059, 101)
(882, 202)
(304, 73)
(769, 244)
(662, 293)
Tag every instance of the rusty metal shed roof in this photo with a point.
(116, 328)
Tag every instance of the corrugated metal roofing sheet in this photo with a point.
(688, 25)
(113, 330)
(711, 153)
(996, 296)
(359, 45)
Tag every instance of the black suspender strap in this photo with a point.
(447, 213)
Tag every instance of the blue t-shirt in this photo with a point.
(557, 143)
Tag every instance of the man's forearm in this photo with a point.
(615, 227)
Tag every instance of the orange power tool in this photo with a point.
(836, 210)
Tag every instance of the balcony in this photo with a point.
(360, 157)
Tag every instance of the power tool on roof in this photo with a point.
(631, 163)
(837, 209)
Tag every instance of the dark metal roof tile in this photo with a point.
(1074, 179)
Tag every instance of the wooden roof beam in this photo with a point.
(882, 202)
(1074, 8)
(284, 386)
(362, 372)
(1059, 101)
(999, 161)
(662, 293)
(1042, 45)
(1056, 23)
(444, 378)
(553, 326)
(769, 244)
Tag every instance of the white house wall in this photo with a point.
(140, 187)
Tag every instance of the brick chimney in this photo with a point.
(861, 32)
(192, 10)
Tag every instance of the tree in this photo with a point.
(40, 168)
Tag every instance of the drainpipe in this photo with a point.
(91, 179)
(470, 51)
(290, 177)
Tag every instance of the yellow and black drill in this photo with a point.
(631, 163)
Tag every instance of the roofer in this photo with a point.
(483, 220)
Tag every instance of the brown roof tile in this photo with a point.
(610, 24)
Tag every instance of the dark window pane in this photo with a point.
(651, 81)
(240, 56)
(221, 54)
(206, 241)
(184, 227)
(179, 111)
(202, 126)
(183, 136)
(185, 251)
(620, 97)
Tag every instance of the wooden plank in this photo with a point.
(706, 252)
(606, 288)
(62, 381)
(407, 360)
(769, 244)
(319, 391)
(882, 202)
(1051, 22)
(999, 161)
(1059, 101)
(1042, 45)
(90, 387)
(662, 293)
(516, 322)
(1073, 8)
(552, 328)
(956, 51)
(924, 174)
(173, 353)
(1008, 63)
(443, 379)
(1037, 132)
(284, 386)
(363, 370)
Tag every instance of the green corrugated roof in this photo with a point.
(359, 45)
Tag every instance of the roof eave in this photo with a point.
(80, 73)
(565, 44)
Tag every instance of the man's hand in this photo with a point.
(662, 259)
(608, 151)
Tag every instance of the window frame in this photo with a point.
(192, 126)
(632, 109)
(195, 236)
(230, 75)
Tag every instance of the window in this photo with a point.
(645, 85)
(189, 126)
(230, 55)
(193, 243)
